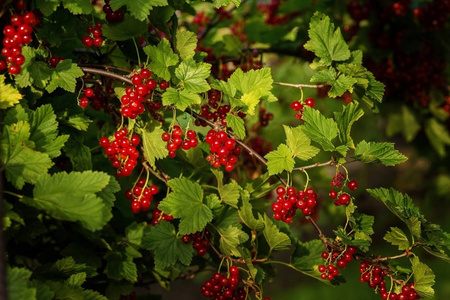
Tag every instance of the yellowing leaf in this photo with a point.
(8, 94)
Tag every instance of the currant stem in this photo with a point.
(300, 85)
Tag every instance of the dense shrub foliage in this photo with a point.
(137, 144)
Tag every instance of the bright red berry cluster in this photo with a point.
(222, 287)
(200, 241)
(224, 150)
(341, 198)
(158, 216)
(175, 140)
(122, 151)
(88, 93)
(289, 200)
(95, 37)
(112, 16)
(270, 10)
(135, 97)
(335, 260)
(17, 34)
(298, 107)
(141, 196)
(374, 276)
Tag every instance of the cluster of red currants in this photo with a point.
(222, 287)
(122, 151)
(158, 216)
(112, 15)
(95, 37)
(135, 97)
(374, 276)
(212, 111)
(17, 34)
(335, 260)
(224, 150)
(289, 200)
(141, 196)
(175, 141)
(264, 117)
(54, 60)
(84, 101)
(200, 241)
(341, 198)
(298, 107)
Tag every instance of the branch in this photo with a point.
(300, 85)
(328, 163)
(107, 74)
(106, 67)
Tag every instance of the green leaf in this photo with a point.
(78, 7)
(127, 29)
(193, 75)
(250, 101)
(326, 42)
(47, 7)
(230, 239)
(219, 3)
(397, 238)
(21, 162)
(437, 135)
(76, 279)
(140, 9)
(93, 295)
(224, 87)
(339, 83)
(44, 131)
(186, 42)
(299, 143)
(246, 213)
(307, 257)
(345, 119)
(252, 81)
(8, 94)
(19, 287)
(370, 152)
(186, 202)
(120, 266)
(229, 193)
(154, 147)
(319, 129)
(168, 247)
(400, 205)
(71, 197)
(280, 160)
(79, 122)
(135, 232)
(423, 278)
(162, 57)
(79, 154)
(276, 239)
(411, 125)
(64, 76)
(181, 99)
(236, 123)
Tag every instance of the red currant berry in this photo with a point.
(280, 191)
(146, 73)
(310, 102)
(332, 194)
(164, 85)
(88, 92)
(353, 185)
(296, 105)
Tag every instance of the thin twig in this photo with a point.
(300, 85)
(149, 169)
(107, 74)
(106, 67)
(316, 165)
